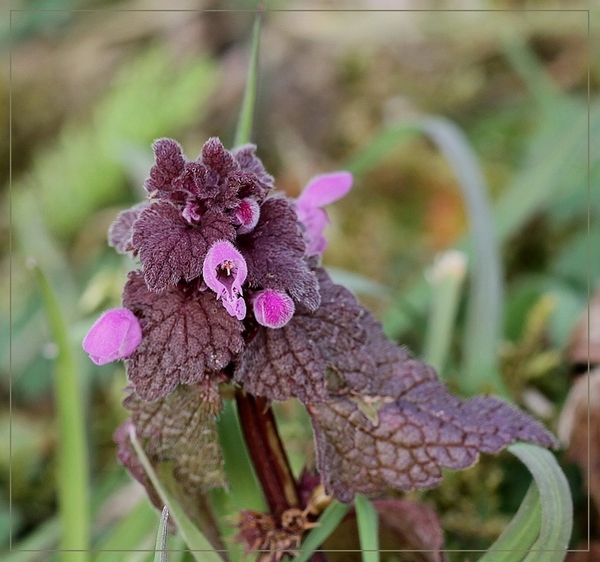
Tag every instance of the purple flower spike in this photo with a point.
(115, 335)
(225, 271)
(273, 309)
(320, 191)
(247, 214)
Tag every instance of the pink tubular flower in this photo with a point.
(115, 335)
(247, 214)
(224, 271)
(320, 191)
(272, 309)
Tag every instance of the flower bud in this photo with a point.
(247, 214)
(115, 335)
(272, 309)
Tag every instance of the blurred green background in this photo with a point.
(90, 91)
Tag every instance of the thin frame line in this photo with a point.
(295, 10)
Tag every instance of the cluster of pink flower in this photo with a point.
(117, 333)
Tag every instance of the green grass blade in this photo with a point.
(522, 530)
(130, 532)
(328, 522)
(73, 470)
(446, 277)
(484, 308)
(245, 491)
(368, 528)
(160, 550)
(198, 544)
(548, 510)
(243, 133)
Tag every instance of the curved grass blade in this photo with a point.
(243, 132)
(368, 528)
(198, 544)
(328, 522)
(73, 470)
(541, 529)
(520, 533)
(484, 308)
(160, 550)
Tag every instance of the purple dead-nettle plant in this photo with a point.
(231, 294)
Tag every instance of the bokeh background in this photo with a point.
(93, 84)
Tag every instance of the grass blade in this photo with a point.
(484, 309)
(73, 470)
(368, 528)
(160, 550)
(548, 510)
(198, 544)
(243, 133)
(328, 522)
(446, 278)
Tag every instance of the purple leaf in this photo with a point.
(187, 336)
(170, 249)
(121, 230)
(365, 444)
(274, 252)
(181, 427)
(215, 156)
(262, 182)
(169, 163)
(311, 355)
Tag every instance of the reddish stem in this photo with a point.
(267, 453)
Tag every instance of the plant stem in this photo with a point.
(267, 453)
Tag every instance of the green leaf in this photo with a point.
(243, 133)
(160, 550)
(245, 492)
(368, 528)
(73, 470)
(328, 522)
(541, 529)
(198, 544)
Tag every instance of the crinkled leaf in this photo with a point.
(170, 249)
(367, 444)
(169, 163)
(217, 157)
(251, 165)
(181, 427)
(186, 335)
(120, 232)
(274, 251)
(311, 355)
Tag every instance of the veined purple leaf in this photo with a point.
(187, 337)
(170, 249)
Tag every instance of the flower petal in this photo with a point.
(325, 189)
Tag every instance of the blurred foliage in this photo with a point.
(331, 95)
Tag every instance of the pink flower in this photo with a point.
(272, 309)
(320, 191)
(115, 335)
(224, 271)
(247, 214)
